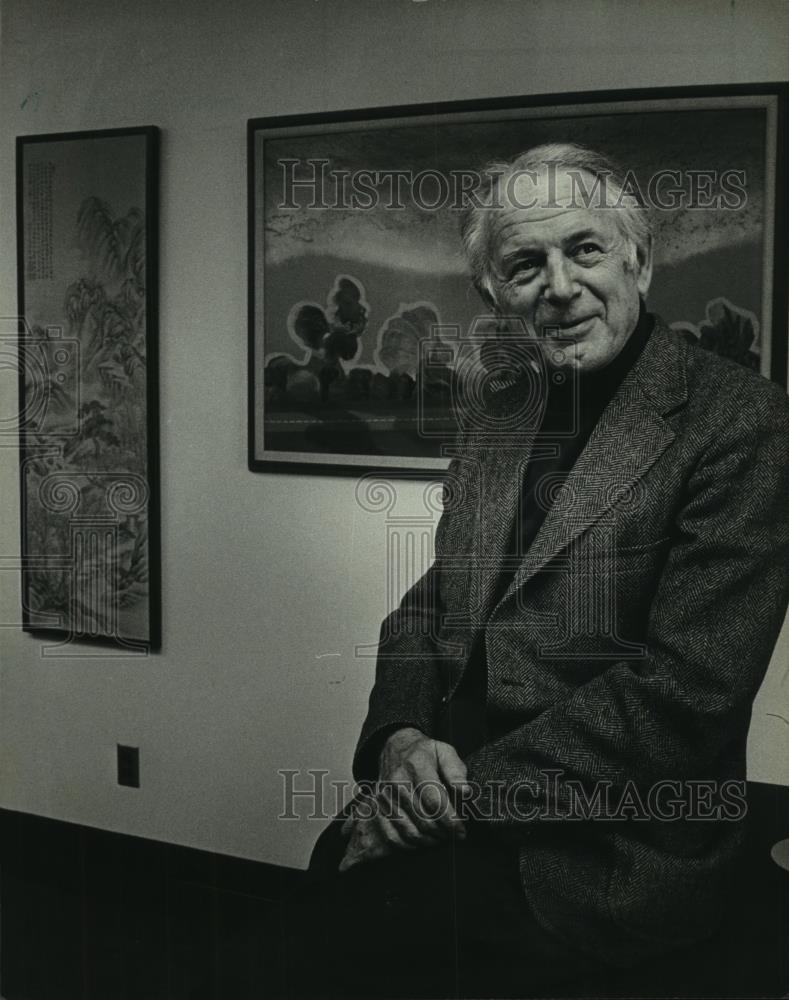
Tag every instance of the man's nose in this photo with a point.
(560, 286)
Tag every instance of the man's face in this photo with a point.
(562, 265)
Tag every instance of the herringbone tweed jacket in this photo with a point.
(626, 650)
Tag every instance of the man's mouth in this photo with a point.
(568, 327)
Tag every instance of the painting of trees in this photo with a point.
(86, 480)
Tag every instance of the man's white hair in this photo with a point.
(632, 214)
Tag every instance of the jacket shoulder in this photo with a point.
(724, 388)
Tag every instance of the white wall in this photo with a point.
(265, 573)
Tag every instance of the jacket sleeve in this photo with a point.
(715, 618)
(408, 686)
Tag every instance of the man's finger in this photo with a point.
(397, 806)
(432, 803)
(452, 770)
(427, 804)
(371, 839)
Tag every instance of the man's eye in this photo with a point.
(526, 266)
(586, 250)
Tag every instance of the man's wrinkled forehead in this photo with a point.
(551, 205)
(538, 228)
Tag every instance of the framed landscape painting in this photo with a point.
(87, 290)
(364, 328)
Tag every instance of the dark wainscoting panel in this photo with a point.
(87, 914)
(91, 915)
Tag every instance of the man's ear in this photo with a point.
(644, 264)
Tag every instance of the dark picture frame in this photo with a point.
(359, 306)
(87, 274)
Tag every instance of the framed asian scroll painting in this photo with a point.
(87, 292)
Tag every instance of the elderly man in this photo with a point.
(561, 705)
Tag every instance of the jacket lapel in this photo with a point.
(629, 437)
(504, 465)
(501, 449)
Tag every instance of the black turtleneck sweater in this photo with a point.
(465, 722)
